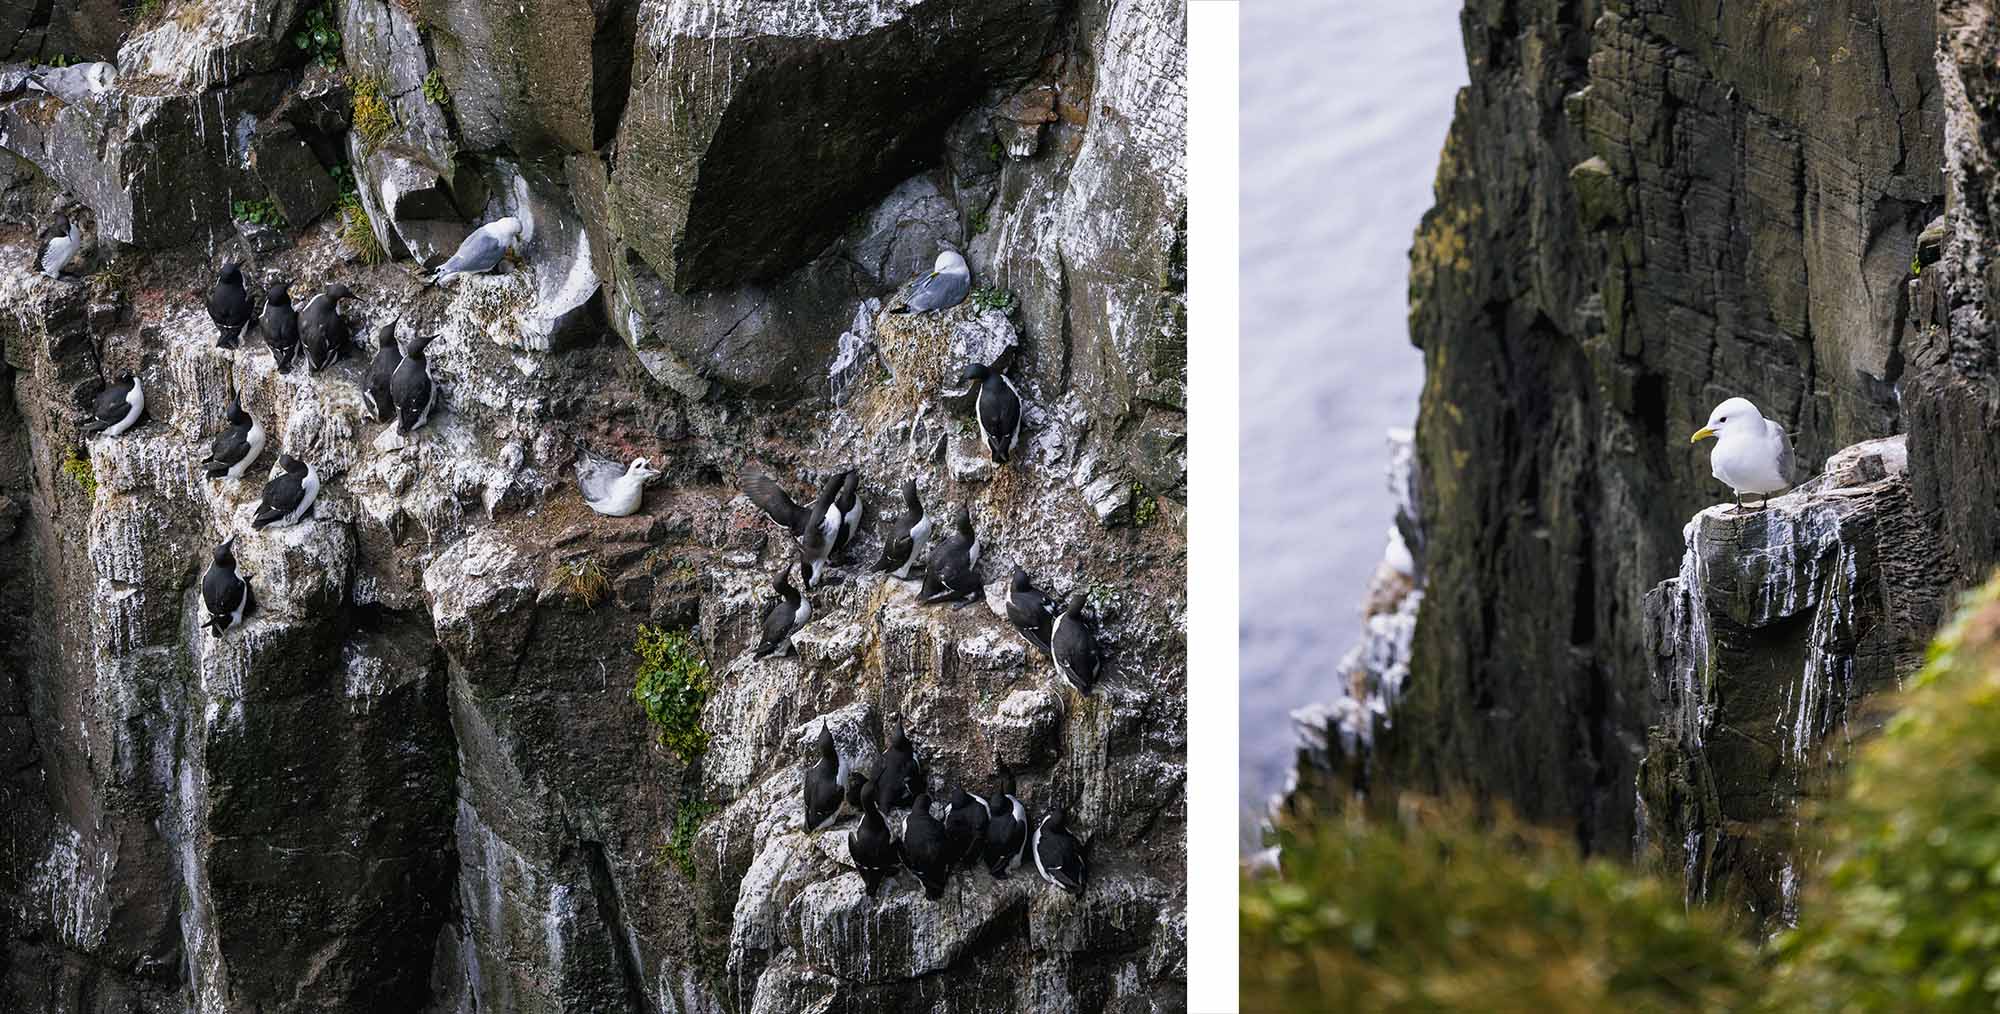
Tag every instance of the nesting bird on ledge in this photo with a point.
(1752, 454)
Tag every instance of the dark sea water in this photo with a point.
(1345, 106)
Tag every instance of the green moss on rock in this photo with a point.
(673, 686)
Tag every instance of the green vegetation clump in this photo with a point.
(434, 89)
(584, 582)
(1432, 913)
(992, 297)
(148, 10)
(680, 845)
(263, 211)
(78, 467)
(374, 118)
(1145, 507)
(320, 38)
(357, 233)
(673, 686)
(981, 223)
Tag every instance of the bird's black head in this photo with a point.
(386, 337)
(59, 227)
(825, 741)
(910, 494)
(975, 371)
(922, 804)
(783, 584)
(231, 273)
(965, 520)
(337, 292)
(1074, 608)
(225, 554)
(125, 377)
(901, 740)
(1020, 582)
(291, 465)
(1058, 818)
(279, 292)
(236, 413)
(959, 797)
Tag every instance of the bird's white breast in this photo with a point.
(623, 499)
(1747, 462)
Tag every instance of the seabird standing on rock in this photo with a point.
(118, 406)
(814, 530)
(1029, 610)
(375, 386)
(899, 774)
(870, 844)
(289, 496)
(925, 850)
(965, 828)
(826, 784)
(998, 410)
(1006, 830)
(237, 445)
(1073, 645)
(784, 614)
(65, 240)
(223, 591)
(481, 251)
(907, 539)
(229, 306)
(411, 387)
(952, 572)
(1062, 860)
(322, 328)
(609, 491)
(945, 287)
(75, 83)
(846, 512)
(280, 324)
(1752, 454)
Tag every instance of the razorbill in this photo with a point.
(1006, 829)
(280, 324)
(229, 306)
(965, 828)
(845, 514)
(826, 784)
(907, 538)
(899, 774)
(1752, 454)
(925, 850)
(1062, 860)
(952, 572)
(813, 529)
(237, 445)
(118, 406)
(870, 844)
(481, 251)
(1029, 610)
(322, 328)
(1073, 645)
(945, 287)
(224, 592)
(412, 388)
(375, 388)
(289, 495)
(784, 614)
(998, 410)
(609, 491)
(65, 242)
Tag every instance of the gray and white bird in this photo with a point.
(411, 387)
(1752, 454)
(908, 538)
(118, 406)
(481, 251)
(784, 614)
(322, 328)
(610, 490)
(945, 287)
(75, 83)
(952, 572)
(376, 390)
(237, 445)
(1073, 645)
(998, 409)
(229, 306)
(280, 324)
(289, 496)
(65, 242)
(1061, 859)
(224, 592)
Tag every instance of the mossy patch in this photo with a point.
(262, 211)
(992, 297)
(435, 92)
(673, 686)
(356, 233)
(77, 466)
(374, 117)
(679, 846)
(1145, 506)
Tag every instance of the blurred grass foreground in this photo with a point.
(1436, 908)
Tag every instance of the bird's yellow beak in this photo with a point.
(1700, 435)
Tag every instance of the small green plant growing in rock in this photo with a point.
(584, 581)
(994, 151)
(1145, 507)
(1916, 266)
(320, 38)
(374, 118)
(980, 223)
(680, 845)
(263, 211)
(673, 686)
(78, 467)
(993, 297)
(434, 89)
(357, 233)
(148, 9)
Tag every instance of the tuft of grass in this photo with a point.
(356, 232)
(263, 211)
(584, 581)
(1145, 507)
(374, 117)
(980, 223)
(77, 467)
(148, 10)
(992, 297)
(320, 37)
(434, 89)
(673, 686)
(679, 847)
(1916, 266)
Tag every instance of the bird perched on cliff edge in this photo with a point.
(480, 252)
(1030, 610)
(899, 772)
(289, 496)
(965, 828)
(1006, 829)
(229, 306)
(926, 850)
(237, 445)
(376, 389)
(224, 592)
(952, 572)
(280, 324)
(322, 328)
(784, 614)
(1060, 858)
(906, 540)
(1073, 645)
(412, 387)
(1752, 454)
(998, 410)
(610, 490)
(870, 844)
(826, 784)
(945, 287)
(65, 242)
(118, 406)
(74, 83)
(813, 529)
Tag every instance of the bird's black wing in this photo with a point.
(773, 500)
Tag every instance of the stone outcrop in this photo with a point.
(415, 778)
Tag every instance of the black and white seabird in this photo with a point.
(965, 828)
(322, 328)
(280, 325)
(998, 410)
(237, 445)
(926, 852)
(65, 242)
(1030, 610)
(945, 287)
(118, 407)
(412, 387)
(846, 512)
(229, 306)
(784, 614)
(224, 592)
(904, 544)
(826, 784)
(813, 529)
(1073, 645)
(952, 572)
(375, 388)
(480, 252)
(1062, 860)
(870, 844)
(1006, 830)
(289, 495)
(899, 774)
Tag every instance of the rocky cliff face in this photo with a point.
(1642, 209)
(416, 778)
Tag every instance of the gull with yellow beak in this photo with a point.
(1752, 453)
